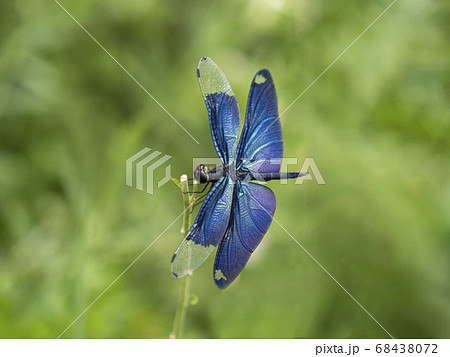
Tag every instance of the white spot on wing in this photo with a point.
(260, 79)
(219, 275)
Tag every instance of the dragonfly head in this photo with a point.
(200, 174)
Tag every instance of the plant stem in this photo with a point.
(183, 302)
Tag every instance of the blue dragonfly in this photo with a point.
(236, 212)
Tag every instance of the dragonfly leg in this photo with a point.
(204, 188)
(200, 200)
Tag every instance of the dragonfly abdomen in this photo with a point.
(267, 176)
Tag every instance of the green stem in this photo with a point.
(183, 302)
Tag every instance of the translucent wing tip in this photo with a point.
(204, 59)
(188, 257)
(212, 79)
(199, 62)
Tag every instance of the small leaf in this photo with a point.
(176, 182)
(193, 300)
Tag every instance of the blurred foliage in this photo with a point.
(376, 124)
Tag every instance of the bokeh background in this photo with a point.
(376, 125)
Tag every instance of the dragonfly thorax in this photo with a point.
(202, 175)
(231, 172)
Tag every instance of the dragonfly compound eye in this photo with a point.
(200, 174)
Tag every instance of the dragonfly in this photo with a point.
(237, 211)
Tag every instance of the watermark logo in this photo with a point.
(309, 165)
(143, 160)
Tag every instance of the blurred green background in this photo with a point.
(376, 125)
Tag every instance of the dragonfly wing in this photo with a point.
(207, 231)
(223, 109)
(251, 216)
(261, 144)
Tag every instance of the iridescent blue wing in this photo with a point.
(223, 109)
(261, 145)
(207, 231)
(251, 215)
